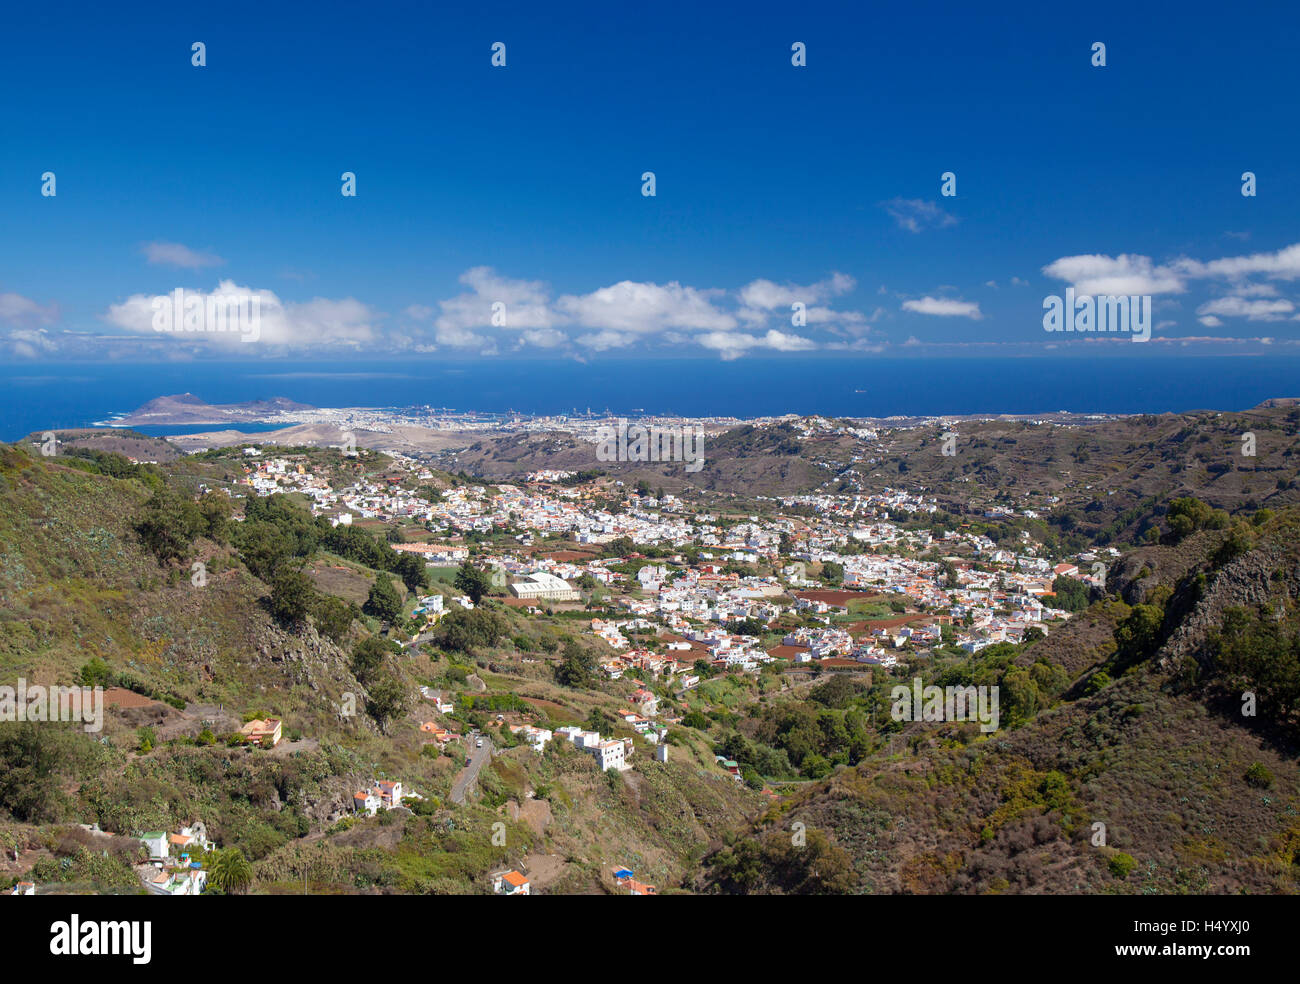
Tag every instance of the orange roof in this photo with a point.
(516, 879)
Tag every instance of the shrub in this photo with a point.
(1121, 864)
(1259, 776)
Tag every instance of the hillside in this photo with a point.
(203, 610)
(90, 442)
(188, 409)
(1143, 732)
(1098, 479)
(86, 596)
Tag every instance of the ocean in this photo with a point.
(44, 396)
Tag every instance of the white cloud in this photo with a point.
(915, 214)
(1251, 310)
(764, 295)
(22, 311)
(544, 337)
(526, 303)
(602, 341)
(733, 344)
(1134, 274)
(944, 307)
(1093, 274)
(318, 323)
(1283, 264)
(460, 338)
(647, 308)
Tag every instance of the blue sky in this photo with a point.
(522, 185)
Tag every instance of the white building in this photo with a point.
(544, 586)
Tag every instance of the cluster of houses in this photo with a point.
(513, 883)
(535, 737)
(382, 795)
(609, 753)
(998, 592)
(172, 869)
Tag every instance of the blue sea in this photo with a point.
(42, 396)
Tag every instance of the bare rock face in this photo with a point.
(1260, 577)
(1136, 575)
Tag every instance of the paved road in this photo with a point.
(423, 637)
(477, 758)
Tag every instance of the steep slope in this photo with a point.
(1191, 793)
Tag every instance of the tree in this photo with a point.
(169, 525)
(578, 668)
(264, 547)
(334, 616)
(1186, 515)
(292, 520)
(464, 631)
(214, 510)
(368, 656)
(386, 699)
(1137, 635)
(412, 571)
(472, 580)
(1071, 594)
(384, 602)
(832, 573)
(229, 871)
(1258, 653)
(95, 673)
(35, 762)
(292, 596)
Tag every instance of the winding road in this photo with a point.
(477, 758)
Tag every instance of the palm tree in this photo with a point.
(230, 871)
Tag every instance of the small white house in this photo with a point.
(510, 883)
(157, 843)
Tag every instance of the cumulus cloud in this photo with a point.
(1283, 264)
(944, 307)
(495, 301)
(765, 295)
(311, 325)
(491, 312)
(732, 344)
(1135, 274)
(647, 308)
(1124, 274)
(179, 255)
(1251, 310)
